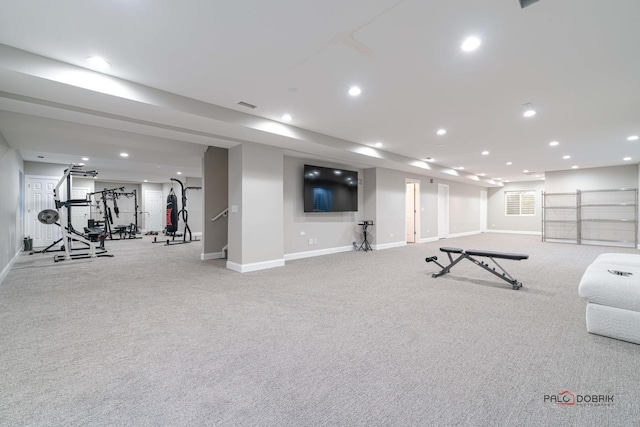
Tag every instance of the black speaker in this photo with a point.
(526, 3)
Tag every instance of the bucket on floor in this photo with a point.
(28, 244)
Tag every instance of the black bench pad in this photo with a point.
(492, 254)
(452, 250)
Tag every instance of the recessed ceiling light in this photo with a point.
(626, 159)
(98, 62)
(538, 176)
(497, 179)
(80, 164)
(554, 143)
(86, 159)
(485, 153)
(509, 163)
(441, 131)
(525, 171)
(566, 157)
(506, 180)
(179, 173)
(124, 154)
(286, 117)
(574, 167)
(528, 110)
(378, 144)
(460, 168)
(632, 138)
(355, 91)
(481, 174)
(146, 180)
(470, 44)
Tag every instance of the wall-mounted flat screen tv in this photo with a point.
(330, 189)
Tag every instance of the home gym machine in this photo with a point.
(173, 216)
(52, 216)
(123, 231)
(68, 232)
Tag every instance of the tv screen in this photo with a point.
(330, 189)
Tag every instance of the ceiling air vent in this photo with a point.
(246, 104)
(526, 3)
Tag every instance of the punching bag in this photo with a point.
(172, 212)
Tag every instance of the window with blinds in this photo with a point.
(519, 203)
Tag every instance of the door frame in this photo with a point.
(27, 229)
(416, 207)
(148, 212)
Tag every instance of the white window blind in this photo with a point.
(519, 203)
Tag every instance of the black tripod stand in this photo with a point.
(365, 246)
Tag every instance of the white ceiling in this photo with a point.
(179, 70)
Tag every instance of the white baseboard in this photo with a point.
(389, 245)
(310, 254)
(5, 271)
(429, 239)
(533, 233)
(466, 233)
(212, 255)
(245, 268)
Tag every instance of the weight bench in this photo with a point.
(470, 254)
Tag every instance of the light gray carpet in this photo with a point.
(154, 336)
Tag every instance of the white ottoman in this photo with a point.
(614, 300)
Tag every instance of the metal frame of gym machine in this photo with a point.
(68, 233)
(108, 217)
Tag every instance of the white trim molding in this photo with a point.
(5, 271)
(212, 255)
(254, 266)
(389, 245)
(466, 233)
(319, 252)
(533, 233)
(429, 239)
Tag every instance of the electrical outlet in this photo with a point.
(311, 241)
(302, 233)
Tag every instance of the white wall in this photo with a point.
(11, 165)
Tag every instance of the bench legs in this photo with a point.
(503, 274)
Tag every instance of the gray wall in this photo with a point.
(329, 230)
(256, 229)
(215, 170)
(385, 195)
(11, 165)
(614, 177)
(44, 169)
(498, 221)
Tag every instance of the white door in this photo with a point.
(410, 208)
(154, 210)
(40, 197)
(483, 211)
(79, 214)
(443, 211)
